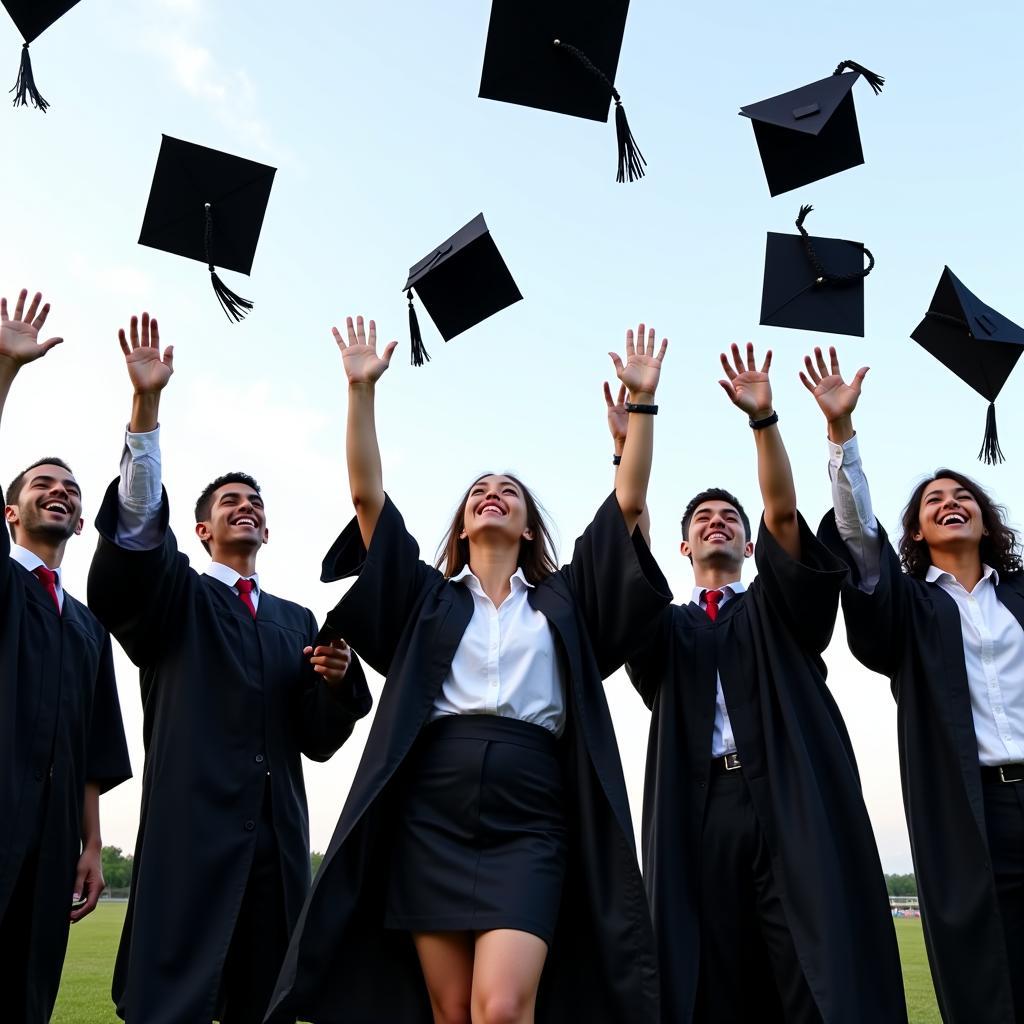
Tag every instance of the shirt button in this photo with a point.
(259, 759)
(250, 825)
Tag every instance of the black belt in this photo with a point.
(1002, 773)
(725, 765)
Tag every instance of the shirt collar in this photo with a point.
(935, 574)
(517, 580)
(228, 576)
(729, 590)
(31, 561)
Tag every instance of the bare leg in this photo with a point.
(506, 975)
(446, 959)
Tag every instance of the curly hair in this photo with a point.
(1000, 547)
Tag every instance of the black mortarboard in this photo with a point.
(978, 344)
(561, 55)
(461, 283)
(33, 18)
(814, 284)
(208, 206)
(810, 133)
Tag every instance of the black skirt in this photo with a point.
(481, 837)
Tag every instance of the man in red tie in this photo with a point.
(767, 894)
(61, 739)
(234, 689)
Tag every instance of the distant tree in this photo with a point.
(117, 868)
(315, 860)
(901, 885)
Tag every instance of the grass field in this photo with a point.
(85, 993)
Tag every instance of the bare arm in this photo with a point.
(618, 423)
(364, 368)
(640, 375)
(19, 339)
(89, 875)
(750, 390)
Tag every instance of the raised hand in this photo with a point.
(748, 387)
(834, 396)
(19, 335)
(618, 418)
(642, 369)
(148, 371)
(359, 356)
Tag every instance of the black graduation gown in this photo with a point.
(225, 698)
(60, 727)
(799, 766)
(910, 631)
(407, 621)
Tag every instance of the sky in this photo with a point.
(371, 115)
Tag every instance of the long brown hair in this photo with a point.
(536, 557)
(1000, 548)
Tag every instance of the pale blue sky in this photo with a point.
(371, 115)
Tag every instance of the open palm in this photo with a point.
(19, 335)
(148, 370)
(642, 369)
(834, 396)
(748, 387)
(359, 355)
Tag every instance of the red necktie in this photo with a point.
(245, 588)
(48, 578)
(713, 599)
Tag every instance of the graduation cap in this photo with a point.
(814, 284)
(810, 133)
(208, 206)
(561, 55)
(33, 18)
(974, 341)
(461, 283)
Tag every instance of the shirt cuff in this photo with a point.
(846, 454)
(142, 444)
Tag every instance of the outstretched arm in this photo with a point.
(19, 339)
(364, 368)
(618, 424)
(640, 375)
(750, 390)
(851, 499)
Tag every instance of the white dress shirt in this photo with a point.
(139, 497)
(992, 637)
(506, 663)
(31, 561)
(722, 741)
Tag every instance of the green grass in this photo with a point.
(85, 991)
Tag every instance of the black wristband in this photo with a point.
(647, 410)
(768, 421)
(616, 459)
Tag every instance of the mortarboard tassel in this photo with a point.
(235, 307)
(990, 452)
(631, 160)
(824, 277)
(875, 81)
(419, 353)
(25, 90)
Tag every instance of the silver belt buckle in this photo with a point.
(1002, 774)
(731, 761)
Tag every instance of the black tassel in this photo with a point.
(990, 452)
(25, 87)
(804, 210)
(631, 160)
(419, 353)
(875, 81)
(234, 305)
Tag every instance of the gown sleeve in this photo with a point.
(875, 621)
(805, 591)
(138, 595)
(107, 762)
(649, 663)
(391, 581)
(617, 586)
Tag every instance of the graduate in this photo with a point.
(62, 743)
(767, 894)
(944, 620)
(234, 689)
(483, 868)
